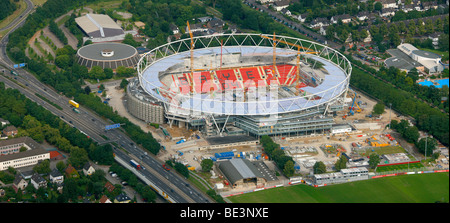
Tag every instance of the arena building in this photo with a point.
(100, 28)
(107, 55)
(431, 61)
(260, 84)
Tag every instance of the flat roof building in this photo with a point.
(345, 175)
(240, 172)
(12, 157)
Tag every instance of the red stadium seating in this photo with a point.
(230, 79)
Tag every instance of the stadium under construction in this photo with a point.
(233, 84)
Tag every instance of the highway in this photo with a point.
(93, 125)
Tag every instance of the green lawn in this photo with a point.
(419, 188)
(399, 167)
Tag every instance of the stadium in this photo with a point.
(249, 84)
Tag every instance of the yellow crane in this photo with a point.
(192, 57)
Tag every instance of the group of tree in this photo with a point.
(124, 174)
(53, 27)
(275, 153)
(330, 8)
(426, 145)
(159, 14)
(179, 167)
(247, 18)
(72, 26)
(41, 125)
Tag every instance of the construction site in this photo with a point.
(219, 98)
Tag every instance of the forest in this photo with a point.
(7, 7)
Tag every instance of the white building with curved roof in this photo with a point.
(99, 26)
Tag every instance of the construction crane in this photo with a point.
(192, 57)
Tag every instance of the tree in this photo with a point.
(443, 42)
(97, 73)
(108, 73)
(374, 160)
(123, 83)
(207, 164)
(182, 169)
(289, 168)
(341, 163)
(411, 134)
(87, 90)
(429, 143)
(378, 6)
(78, 157)
(378, 109)
(319, 167)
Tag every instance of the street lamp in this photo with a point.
(390, 110)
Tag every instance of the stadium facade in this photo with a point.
(245, 84)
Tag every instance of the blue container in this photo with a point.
(224, 155)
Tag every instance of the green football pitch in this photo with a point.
(417, 188)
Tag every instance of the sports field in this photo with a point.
(418, 188)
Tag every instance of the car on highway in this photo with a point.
(166, 167)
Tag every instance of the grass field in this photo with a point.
(399, 167)
(418, 188)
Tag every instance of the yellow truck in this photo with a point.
(74, 104)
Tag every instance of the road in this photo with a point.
(94, 126)
(22, 17)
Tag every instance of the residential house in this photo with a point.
(204, 19)
(435, 38)
(38, 181)
(4, 122)
(122, 198)
(345, 18)
(387, 12)
(302, 17)
(196, 28)
(174, 29)
(279, 5)
(109, 187)
(10, 130)
(323, 30)
(429, 5)
(408, 8)
(139, 25)
(233, 28)
(19, 183)
(389, 4)
(88, 169)
(104, 199)
(216, 24)
(71, 172)
(56, 176)
(362, 16)
(368, 39)
(417, 5)
(286, 11)
(318, 22)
